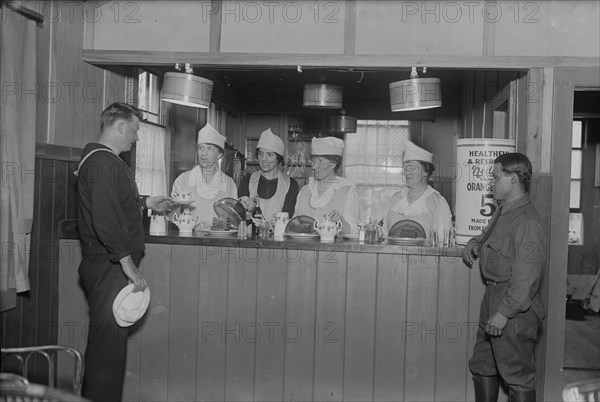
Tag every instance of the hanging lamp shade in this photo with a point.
(415, 93)
(187, 89)
(324, 96)
(341, 123)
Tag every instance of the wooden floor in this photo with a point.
(582, 349)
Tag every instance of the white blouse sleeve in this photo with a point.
(177, 187)
(443, 218)
(302, 201)
(350, 213)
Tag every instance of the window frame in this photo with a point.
(578, 209)
(150, 92)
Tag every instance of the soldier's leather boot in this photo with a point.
(486, 388)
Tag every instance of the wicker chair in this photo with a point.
(50, 353)
(583, 391)
(14, 388)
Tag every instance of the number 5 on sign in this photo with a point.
(487, 201)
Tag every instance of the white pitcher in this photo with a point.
(281, 221)
(158, 225)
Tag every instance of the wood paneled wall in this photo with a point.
(528, 97)
(71, 93)
(479, 88)
(34, 320)
(362, 27)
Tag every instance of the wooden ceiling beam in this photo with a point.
(277, 60)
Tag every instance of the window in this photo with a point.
(373, 155)
(373, 161)
(575, 216)
(576, 164)
(153, 145)
(150, 164)
(149, 96)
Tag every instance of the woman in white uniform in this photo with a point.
(418, 201)
(206, 182)
(275, 190)
(326, 193)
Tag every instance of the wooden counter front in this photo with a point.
(235, 320)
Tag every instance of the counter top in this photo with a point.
(67, 230)
(340, 245)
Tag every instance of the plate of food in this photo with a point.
(182, 202)
(222, 225)
(182, 198)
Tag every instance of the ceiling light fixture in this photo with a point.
(322, 95)
(187, 89)
(341, 123)
(415, 93)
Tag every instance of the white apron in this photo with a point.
(274, 204)
(204, 194)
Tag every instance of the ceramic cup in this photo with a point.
(281, 221)
(327, 230)
(158, 225)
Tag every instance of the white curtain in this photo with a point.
(150, 166)
(373, 161)
(17, 134)
(373, 155)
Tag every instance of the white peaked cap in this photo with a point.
(209, 135)
(327, 146)
(129, 307)
(415, 153)
(271, 142)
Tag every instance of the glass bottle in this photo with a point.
(361, 233)
(371, 232)
(452, 233)
(256, 214)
